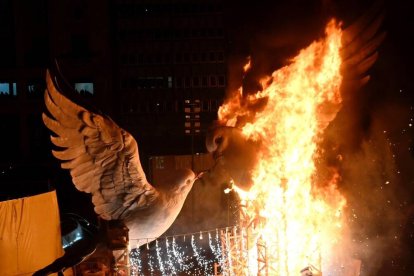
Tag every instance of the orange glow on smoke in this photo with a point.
(300, 222)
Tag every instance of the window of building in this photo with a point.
(196, 81)
(35, 88)
(221, 81)
(205, 105)
(203, 57)
(195, 57)
(187, 81)
(124, 59)
(167, 58)
(151, 82)
(214, 105)
(186, 57)
(124, 84)
(8, 88)
(220, 56)
(170, 82)
(178, 58)
(178, 82)
(140, 58)
(213, 81)
(204, 81)
(132, 59)
(84, 88)
(158, 58)
(212, 57)
(195, 32)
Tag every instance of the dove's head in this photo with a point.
(234, 153)
(176, 184)
(185, 181)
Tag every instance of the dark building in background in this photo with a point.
(170, 70)
(36, 35)
(158, 68)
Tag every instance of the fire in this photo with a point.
(301, 221)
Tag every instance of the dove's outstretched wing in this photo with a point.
(102, 158)
(360, 42)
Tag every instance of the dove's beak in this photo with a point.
(199, 175)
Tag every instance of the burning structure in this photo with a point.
(291, 203)
(297, 223)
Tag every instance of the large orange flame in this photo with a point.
(300, 221)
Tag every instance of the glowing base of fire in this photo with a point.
(240, 258)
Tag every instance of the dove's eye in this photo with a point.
(218, 140)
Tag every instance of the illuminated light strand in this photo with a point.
(214, 249)
(228, 256)
(135, 260)
(221, 258)
(201, 260)
(159, 259)
(169, 257)
(150, 262)
(179, 256)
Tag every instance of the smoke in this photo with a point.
(371, 143)
(271, 33)
(371, 147)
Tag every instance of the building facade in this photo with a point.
(158, 68)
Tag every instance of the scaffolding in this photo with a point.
(262, 260)
(236, 248)
(121, 264)
(235, 252)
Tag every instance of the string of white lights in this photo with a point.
(135, 260)
(189, 256)
(212, 246)
(150, 262)
(170, 262)
(198, 253)
(159, 259)
(221, 259)
(228, 255)
(178, 254)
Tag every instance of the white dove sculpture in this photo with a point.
(103, 160)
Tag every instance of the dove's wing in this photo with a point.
(102, 158)
(360, 43)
